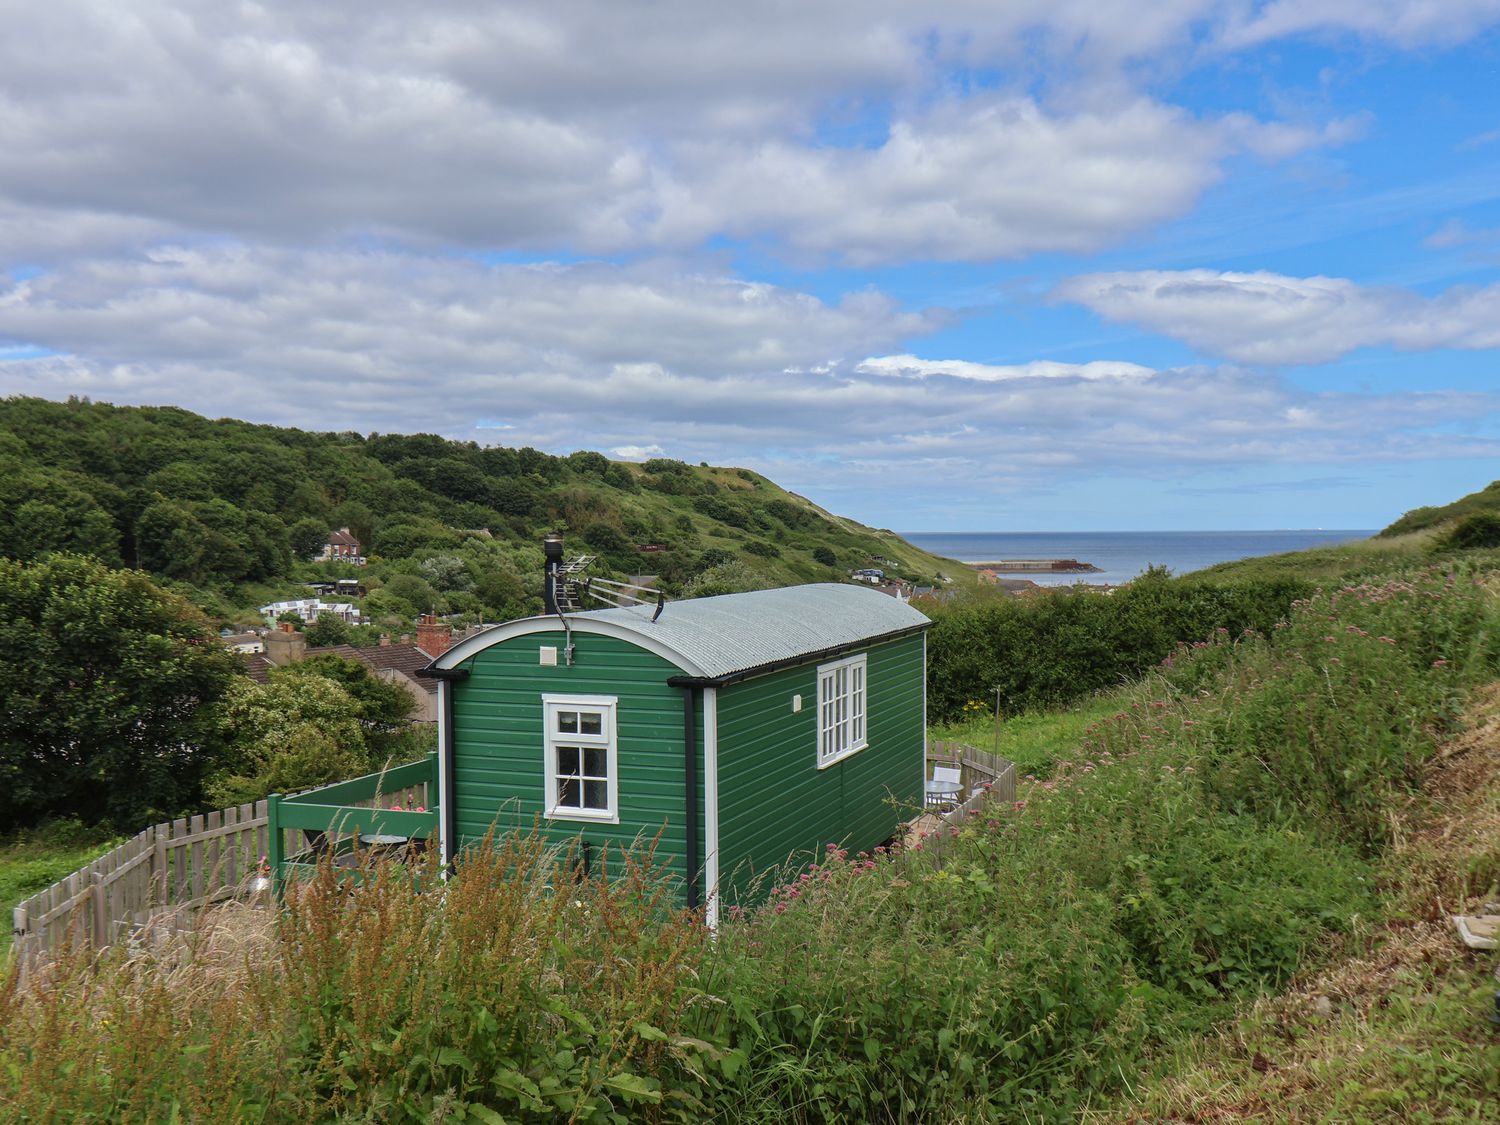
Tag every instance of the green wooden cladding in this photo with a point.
(498, 741)
(776, 806)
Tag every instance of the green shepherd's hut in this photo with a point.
(744, 729)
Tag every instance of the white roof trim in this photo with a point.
(472, 646)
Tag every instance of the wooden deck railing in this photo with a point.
(397, 802)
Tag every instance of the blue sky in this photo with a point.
(950, 266)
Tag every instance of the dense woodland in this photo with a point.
(228, 513)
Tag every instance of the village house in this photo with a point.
(342, 546)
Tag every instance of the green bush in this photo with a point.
(1480, 531)
(1051, 649)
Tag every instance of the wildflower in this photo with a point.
(1439, 663)
(1019, 805)
(781, 908)
(992, 824)
(1387, 640)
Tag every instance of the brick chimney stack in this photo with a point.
(285, 645)
(434, 637)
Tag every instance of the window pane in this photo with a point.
(567, 722)
(567, 760)
(568, 793)
(595, 762)
(590, 722)
(595, 795)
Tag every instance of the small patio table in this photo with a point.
(942, 793)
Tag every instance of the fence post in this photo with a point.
(18, 934)
(274, 849)
(101, 910)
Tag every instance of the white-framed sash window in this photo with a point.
(842, 703)
(582, 763)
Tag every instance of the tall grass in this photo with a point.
(1216, 835)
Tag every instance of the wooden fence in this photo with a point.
(180, 865)
(988, 779)
(176, 867)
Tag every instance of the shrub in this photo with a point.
(1480, 531)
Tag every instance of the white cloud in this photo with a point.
(982, 180)
(637, 452)
(638, 361)
(604, 127)
(913, 366)
(1274, 319)
(1401, 22)
(1455, 232)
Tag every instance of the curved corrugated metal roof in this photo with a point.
(735, 633)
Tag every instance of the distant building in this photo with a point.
(309, 608)
(342, 546)
(244, 642)
(393, 663)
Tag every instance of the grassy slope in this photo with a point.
(1396, 1031)
(1034, 741)
(1487, 499)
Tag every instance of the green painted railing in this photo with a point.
(333, 817)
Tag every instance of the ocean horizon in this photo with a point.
(1123, 555)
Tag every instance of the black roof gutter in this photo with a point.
(793, 661)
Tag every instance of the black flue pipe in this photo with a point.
(552, 552)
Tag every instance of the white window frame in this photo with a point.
(552, 739)
(843, 712)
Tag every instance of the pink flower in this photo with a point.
(781, 908)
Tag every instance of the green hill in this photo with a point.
(1485, 502)
(228, 512)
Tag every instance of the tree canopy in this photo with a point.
(106, 681)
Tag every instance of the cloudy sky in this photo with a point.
(956, 265)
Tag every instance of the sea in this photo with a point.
(1121, 555)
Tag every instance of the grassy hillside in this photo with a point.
(1485, 501)
(228, 512)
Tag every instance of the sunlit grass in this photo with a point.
(32, 862)
(1034, 741)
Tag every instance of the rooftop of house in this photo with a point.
(257, 667)
(732, 634)
(405, 659)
